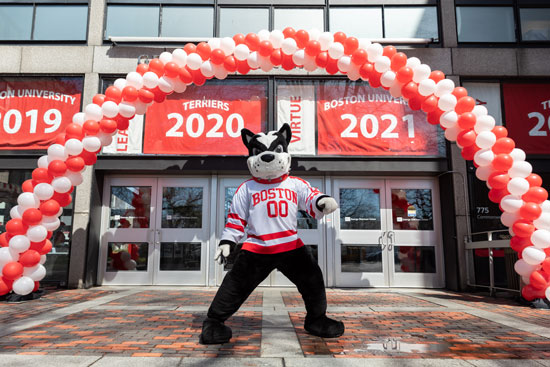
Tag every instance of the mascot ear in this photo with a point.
(247, 135)
(286, 132)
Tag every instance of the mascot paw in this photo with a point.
(214, 332)
(327, 204)
(324, 327)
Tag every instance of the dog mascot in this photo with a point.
(268, 204)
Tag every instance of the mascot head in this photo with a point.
(268, 156)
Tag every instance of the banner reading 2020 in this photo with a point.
(34, 110)
(355, 119)
(206, 120)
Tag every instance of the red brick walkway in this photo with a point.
(361, 299)
(179, 298)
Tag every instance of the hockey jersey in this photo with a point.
(269, 208)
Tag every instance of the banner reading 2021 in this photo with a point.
(34, 110)
(206, 120)
(355, 119)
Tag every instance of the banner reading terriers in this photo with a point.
(206, 120)
(356, 119)
(34, 110)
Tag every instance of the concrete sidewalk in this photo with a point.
(159, 326)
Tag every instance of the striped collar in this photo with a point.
(271, 181)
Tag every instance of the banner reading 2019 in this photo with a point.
(206, 120)
(355, 119)
(34, 110)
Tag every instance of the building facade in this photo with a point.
(153, 207)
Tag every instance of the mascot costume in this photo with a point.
(267, 205)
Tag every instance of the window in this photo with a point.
(187, 21)
(243, 20)
(535, 24)
(485, 24)
(135, 20)
(299, 19)
(352, 21)
(51, 22)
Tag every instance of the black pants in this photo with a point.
(250, 269)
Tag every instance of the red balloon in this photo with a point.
(36, 286)
(46, 248)
(63, 199)
(469, 152)
(389, 51)
(321, 59)
(198, 79)
(108, 126)
(276, 57)
(535, 195)
(230, 64)
(366, 70)
(289, 32)
(546, 264)
(404, 75)
(500, 132)
(75, 164)
(503, 146)
(57, 168)
(496, 195)
(74, 131)
(145, 95)
(60, 138)
(185, 76)
(460, 92)
(90, 127)
(530, 293)
(27, 186)
(29, 258)
(98, 99)
(340, 37)
(467, 120)
(530, 211)
(465, 104)
(5, 286)
(350, 45)
(498, 180)
(313, 48)
(171, 70)
(157, 67)
(430, 104)
(434, 116)
(89, 158)
(465, 138)
(217, 57)
(398, 61)
(415, 103)
(265, 48)
(301, 37)
(523, 228)
(332, 66)
(190, 48)
(359, 56)
(114, 94)
(539, 279)
(502, 162)
(239, 38)
(12, 270)
(410, 89)
(437, 76)
(160, 96)
(534, 180)
(252, 41)
(518, 244)
(4, 241)
(32, 217)
(374, 79)
(37, 246)
(142, 68)
(244, 68)
(40, 175)
(16, 226)
(122, 123)
(49, 208)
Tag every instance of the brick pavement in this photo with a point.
(178, 298)
(360, 299)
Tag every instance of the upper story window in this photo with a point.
(535, 24)
(297, 18)
(242, 20)
(43, 22)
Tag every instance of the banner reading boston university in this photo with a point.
(356, 119)
(34, 110)
(206, 120)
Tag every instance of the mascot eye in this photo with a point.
(279, 149)
(256, 151)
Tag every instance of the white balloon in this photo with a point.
(242, 51)
(109, 109)
(364, 43)
(120, 83)
(150, 79)
(263, 35)
(542, 222)
(179, 87)
(526, 280)
(483, 173)
(421, 72)
(23, 286)
(374, 50)
(395, 89)
(165, 57)
(194, 61)
(326, 39)
(53, 225)
(214, 43)
(532, 255)
(387, 79)
(57, 152)
(486, 139)
(16, 213)
(62, 184)
(91, 143)
(75, 178)
(130, 264)
(265, 64)
(37, 233)
(452, 132)
(27, 200)
(207, 69)
(336, 50)
(511, 203)
(7, 255)
(484, 157)
(484, 123)
(134, 79)
(518, 154)
(523, 268)
(289, 46)
(518, 186)
(166, 85)
(353, 73)
(448, 119)
(43, 259)
(299, 57)
(179, 57)
(508, 219)
(253, 60)
(93, 112)
(445, 86)
(36, 273)
(344, 63)
(19, 243)
(480, 110)
(141, 107)
(545, 206)
(105, 139)
(426, 87)
(520, 169)
(540, 238)
(219, 73)
(79, 118)
(73, 146)
(447, 102)
(43, 162)
(382, 64)
(413, 62)
(43, 191)
(127, 109)
(276, 38)
(314, 34)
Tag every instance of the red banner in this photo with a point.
(34, 110)
(355, 119)
(527, 110)
(206, 120)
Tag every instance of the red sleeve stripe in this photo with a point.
(283, 247)
(234, 226)
(235, 216)
(273, 236)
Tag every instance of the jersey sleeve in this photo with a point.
(307, 198)
(237, 218)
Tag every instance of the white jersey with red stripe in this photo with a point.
(269, 208)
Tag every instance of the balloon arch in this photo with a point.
(526, 210)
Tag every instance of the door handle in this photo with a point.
(381, 241)
(159, 236)
(391, 240)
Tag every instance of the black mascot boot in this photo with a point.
(324, 327)
(214, 332)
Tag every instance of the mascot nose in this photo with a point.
(268, 157)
